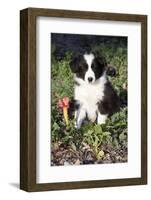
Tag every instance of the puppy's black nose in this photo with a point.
(90, 79)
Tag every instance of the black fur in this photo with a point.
(73, 106)
(98, 66)
(79, 66)
(110, 71)
(110, 103)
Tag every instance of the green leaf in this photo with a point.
(56, 126)
(122, 137)
(106, 133)
(98, 129)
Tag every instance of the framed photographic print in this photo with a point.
(83, 94)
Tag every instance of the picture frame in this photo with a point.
(28, 99)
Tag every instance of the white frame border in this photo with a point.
(132, 169)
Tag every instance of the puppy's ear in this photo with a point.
(74, 64)
(100, 59)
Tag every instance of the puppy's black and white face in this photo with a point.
(88, 67)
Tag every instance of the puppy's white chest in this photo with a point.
(88, 96)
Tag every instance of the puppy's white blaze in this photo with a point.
(89, 59)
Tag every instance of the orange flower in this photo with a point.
(64, 104)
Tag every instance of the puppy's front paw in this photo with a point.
(101, 119)
(77, 124)
(79, 117)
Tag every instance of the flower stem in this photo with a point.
(65, 114)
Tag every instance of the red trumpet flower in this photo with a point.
(64, 104)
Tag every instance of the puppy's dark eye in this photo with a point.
(93, 66)
(83, 66)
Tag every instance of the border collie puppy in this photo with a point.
(94, 95)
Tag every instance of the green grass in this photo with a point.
(113, 134)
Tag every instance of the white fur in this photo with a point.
(87, 96)
(89, 58)
(80, 115)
